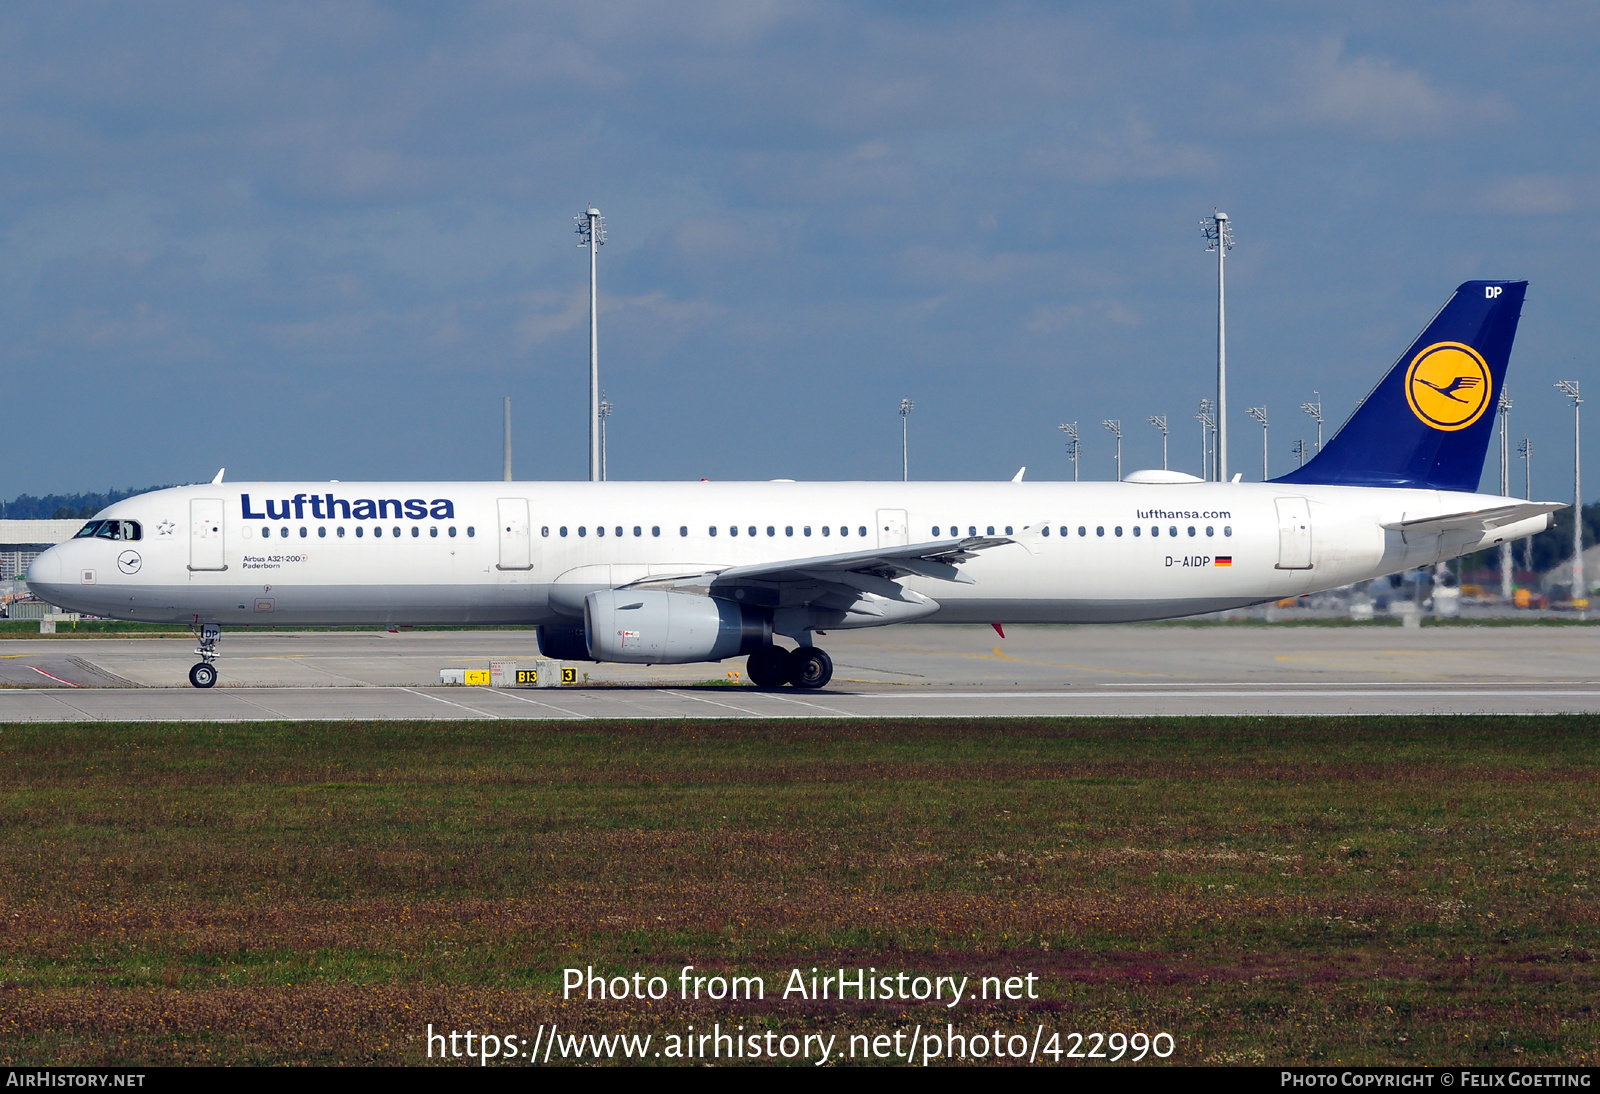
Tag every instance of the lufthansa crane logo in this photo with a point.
(1448, 386)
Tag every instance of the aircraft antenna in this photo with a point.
(1580, 592)
(1219, 233)
(1160, 422)
(592, 234)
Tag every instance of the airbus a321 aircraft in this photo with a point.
(670, 573)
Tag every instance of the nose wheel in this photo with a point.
(204, 675)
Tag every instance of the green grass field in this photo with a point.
(1364, 891)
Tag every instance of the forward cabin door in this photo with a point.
(1294, 534)
(892, 528)
(205, 535)
(516, 542)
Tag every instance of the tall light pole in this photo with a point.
(1220, 235)
(1114, 425)
(1526, 449)
(508, 439)
(1203, 416)
(1580, 592)
(1299, 450)
(605, 412)
(1259, 413)
(906, 406)
(1504, 407)
(1315, 410)
(1071, 430)
(1160, 422)
(592, 234)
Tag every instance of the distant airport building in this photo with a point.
(22, 541)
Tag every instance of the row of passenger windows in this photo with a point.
(1155, 530)
(377, 533)
(733, 530)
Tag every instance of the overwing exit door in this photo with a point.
(892, 528)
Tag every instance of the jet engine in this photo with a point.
(650, 627)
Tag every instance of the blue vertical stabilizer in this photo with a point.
(1427, 423)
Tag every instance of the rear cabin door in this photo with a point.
(205, 535)
(1294, 534)
(891, 527)
(516, 543)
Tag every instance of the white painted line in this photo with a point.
(1211, 694)
(724, 706)
(448, 703)
(815, 706)
(538, 703)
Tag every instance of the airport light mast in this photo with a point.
(1259, 413)
(592, 234)
(1160, 422)
(1580, 593)
(605, 412)
(1526, 451)
(1315, 410)
(508, 439)
(1299, 450)
(906, 407)
(1218, 231)
(1114, 426)
(1203, 416)
(1071, 430)
(1504, 407)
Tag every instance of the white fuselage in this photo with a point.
(408, 553)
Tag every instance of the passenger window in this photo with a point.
(397, 532)
(1119, 529)
(563, 531)
(359, 532)
(545, 530)
(1173, 532)
(1064, 531)
(583, 530)
(599, 530)
(637, 531)
(341, 531)
(1227, 529)
(416, 531)
(683, 529)
(302, 532)
(990, 531)
(1008, 529)
(788, 529)
(1210, 531)
(433, 531)
(713, 529)
(824, 529)
(655, 529)
(378, 532)
(935, 531)
(1100, 530)
(807, 530)
(1082, 531)
(619, 530)
(470, 531)
(88, 530)
(1191, 531)
(844, 530)
(1046, 531)
(734, 530)
(1155, 530)
(322, 533)
(283, 533)
(771, 531)
(1135, 529)
(861, 531)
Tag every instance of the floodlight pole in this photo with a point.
(1299, 450)
(1504, 407)
(592, 234)
(1071, 430)
(1160, 422)
(1315, 410)
(1526, 450)
(1220, 235)
(906, 406)
(508, 439)
(1114, 426)
(605, 412)
(1259, 413)
(1203, 416)
(1580, 593)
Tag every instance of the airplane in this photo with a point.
(675, 573)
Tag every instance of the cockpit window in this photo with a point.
(111, 529)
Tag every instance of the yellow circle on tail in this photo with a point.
(1448, 386)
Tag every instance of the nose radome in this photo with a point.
(46, 569)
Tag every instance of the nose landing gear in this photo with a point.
(204, 674)
(806, 667)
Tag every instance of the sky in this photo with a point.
(323, 241)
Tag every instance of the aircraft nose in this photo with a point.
(46, 569)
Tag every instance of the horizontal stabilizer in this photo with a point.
(1475, 520)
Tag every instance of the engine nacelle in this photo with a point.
(564, 643)
(661, 628)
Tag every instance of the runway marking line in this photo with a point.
(57, 679)
(538, 703)
(448, 703)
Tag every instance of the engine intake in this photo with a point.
(661, 628)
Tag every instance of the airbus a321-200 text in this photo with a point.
(672, 573)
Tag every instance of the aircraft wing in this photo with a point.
(1475, 520)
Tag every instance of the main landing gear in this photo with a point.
(204, 674)
(806, 667)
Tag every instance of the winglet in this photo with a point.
(218, 479)
(1018, 476)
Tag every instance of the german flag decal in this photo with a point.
(1224, 560)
